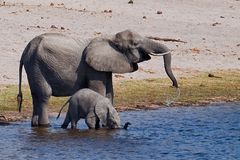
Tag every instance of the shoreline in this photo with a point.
(147, 94)
(8, 117)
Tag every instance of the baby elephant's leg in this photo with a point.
(97, 125)
(74, 120)
(74, 117)
(66, 121)
(91, 120)
(73, 124)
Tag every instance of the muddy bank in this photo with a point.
(7, 117)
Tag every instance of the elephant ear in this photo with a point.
(101, 110)
(103, 55)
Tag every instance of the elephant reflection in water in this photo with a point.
(58, 65)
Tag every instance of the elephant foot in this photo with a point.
(64, 126)
(36, 123)
(44, 125)
(41, 125)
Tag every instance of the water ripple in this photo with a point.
(211, 132)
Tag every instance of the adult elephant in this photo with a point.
(58, 65)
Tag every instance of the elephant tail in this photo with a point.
(26, 56)
(63, 107)
(19, 96)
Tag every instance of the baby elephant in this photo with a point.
(95, 108)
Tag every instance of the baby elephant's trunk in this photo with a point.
(126, 125)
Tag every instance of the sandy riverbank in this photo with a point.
(211, 29)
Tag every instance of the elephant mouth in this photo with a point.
(146, 57)
(145, 54)
(134, 66)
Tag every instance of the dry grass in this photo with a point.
(133, 94)
(8, 99)
(195, 90)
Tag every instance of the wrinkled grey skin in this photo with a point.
(94, 108)
(58, 65)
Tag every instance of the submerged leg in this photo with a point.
(41, 92)
(73, 124)
(66, 121)
(40, 112)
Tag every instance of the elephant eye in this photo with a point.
(136, 43)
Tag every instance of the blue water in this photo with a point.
(211, 132)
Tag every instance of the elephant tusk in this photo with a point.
(159, 54)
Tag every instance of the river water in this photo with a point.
(211, 132)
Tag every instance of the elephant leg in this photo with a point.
(73, 115)
(91, 125)
(98, 86)
(91, 121)
(41, 92)
(97, 125)
(73, 124)
(101, 82)
(109, 87)
(66, 121)
(40, 113)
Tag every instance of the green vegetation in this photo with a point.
(130, 94)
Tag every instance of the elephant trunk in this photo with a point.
(157, 49)
(167, 65)
(126, 125)
(154, 48)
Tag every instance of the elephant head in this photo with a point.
(122, 53)
(107, 115)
